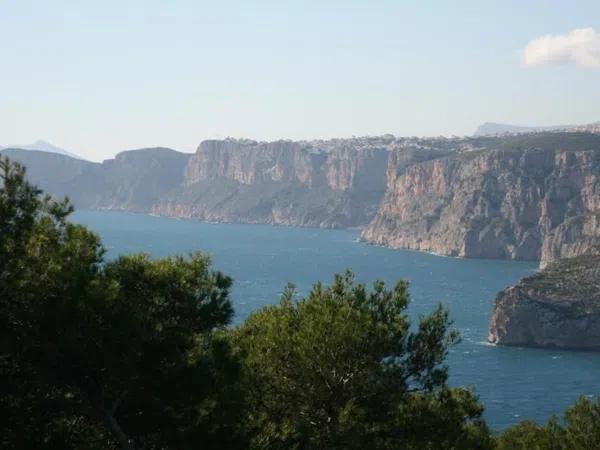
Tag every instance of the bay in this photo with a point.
(513, 383)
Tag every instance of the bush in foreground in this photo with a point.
(580, 430)
(97, 354)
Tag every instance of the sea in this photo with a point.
(513, 383)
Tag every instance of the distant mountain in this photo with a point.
(493, 129)
(43, 146)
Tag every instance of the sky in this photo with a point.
(97, 78)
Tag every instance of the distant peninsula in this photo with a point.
(532, 196)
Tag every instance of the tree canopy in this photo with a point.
(106, 354)
(580, 430)
(342, 369)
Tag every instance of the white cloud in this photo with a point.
(580, 47)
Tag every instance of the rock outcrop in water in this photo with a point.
(558, 307)
(533, 197)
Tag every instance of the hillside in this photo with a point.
(133, 181)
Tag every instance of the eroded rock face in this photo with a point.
(558, 307)
(504, 201)
(249, 162)
(283, 182)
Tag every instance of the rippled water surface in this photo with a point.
(514, 383)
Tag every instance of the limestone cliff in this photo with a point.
(282, 182)
(533, 197)
(558, 307)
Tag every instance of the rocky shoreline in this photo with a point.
(558, 307)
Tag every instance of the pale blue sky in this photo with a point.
(100, 77)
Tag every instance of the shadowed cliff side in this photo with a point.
(133, 181)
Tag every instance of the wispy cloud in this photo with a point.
(580, 47)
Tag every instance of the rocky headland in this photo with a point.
(527, 197)
(558, 307)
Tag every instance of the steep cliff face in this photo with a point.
(248, 162)
(283, 182)
(517, 198)
(558, 307)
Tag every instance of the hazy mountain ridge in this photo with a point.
(42, 146)
(493, 129)
(134, 180)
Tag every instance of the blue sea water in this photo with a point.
(513, 383)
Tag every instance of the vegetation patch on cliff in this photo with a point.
(571, 282)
